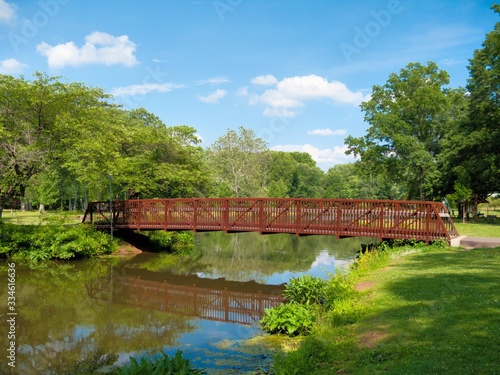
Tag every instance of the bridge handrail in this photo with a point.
(424, 220)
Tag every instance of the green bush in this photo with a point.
(53, 241)
(183, 242)
(305, 290)
(289, 318)
(160, 365)
(340, 287)
(177, 242)
(162, 240)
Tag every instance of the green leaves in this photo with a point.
(305, 290)
(238, 161)
(53, 241)
(407, 117)
(291, 319)
(159, 365)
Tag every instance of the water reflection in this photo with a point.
(70, 311)
(191, 295)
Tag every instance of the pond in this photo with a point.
(206, 305)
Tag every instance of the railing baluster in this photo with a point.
(424, 221)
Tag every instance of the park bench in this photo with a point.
(491, 217)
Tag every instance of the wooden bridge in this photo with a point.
(382, 219)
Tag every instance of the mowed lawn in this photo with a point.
(431, 313)
(34, 217)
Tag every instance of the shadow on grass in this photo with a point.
(445, 317)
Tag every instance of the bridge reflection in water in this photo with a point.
(210, 299)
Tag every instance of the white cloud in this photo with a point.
(292, 93)
(327, 131)
(265, 80)
(99, 48)
(242, 91)
(451, 61)
(7, 12)
(213, 81)
(279, 112)
(145, 89)
(11, 66)
(326, 156)
(214, 97)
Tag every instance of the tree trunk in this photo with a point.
(41, 208)
(421, 187)
(86, 202)
(1, 212)
(76, 202)
(24, 204)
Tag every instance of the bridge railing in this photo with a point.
(383, 219)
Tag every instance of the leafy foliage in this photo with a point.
(288, 318)
(159, 365)
(238, 162)
(407, 117)
(305, 290)
(52, 241)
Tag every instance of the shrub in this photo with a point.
(288, 318)
(161, 364)
(162, 240)
(305, 290)
(183, 242)
(53, 241)
(340, 287)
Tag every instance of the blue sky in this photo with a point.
(294, 71)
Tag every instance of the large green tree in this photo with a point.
(239, 161)
(76, 133)
(30, 128)
(407, 117)
(474, 148)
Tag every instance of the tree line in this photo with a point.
(63, 144)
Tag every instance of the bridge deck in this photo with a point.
(382, 219)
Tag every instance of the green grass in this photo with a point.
(481, 228)
(34, 217)
(433, 312)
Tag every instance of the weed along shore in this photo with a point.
(407, 310)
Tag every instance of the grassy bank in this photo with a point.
(413, 312)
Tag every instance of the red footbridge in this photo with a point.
(381, 219)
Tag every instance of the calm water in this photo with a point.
(206, 306)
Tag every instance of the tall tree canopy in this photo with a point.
(407, 118)
(58, 138)
(30, 126)
(239, 162)
(475, 151)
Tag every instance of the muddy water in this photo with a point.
(206, 305)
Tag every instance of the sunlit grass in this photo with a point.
(35, 218)
(481, 228)
(438, 313)
(431, 312)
